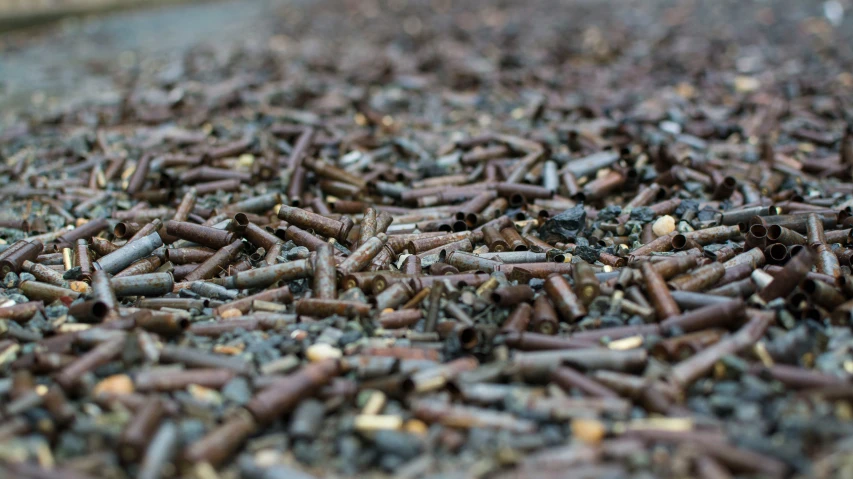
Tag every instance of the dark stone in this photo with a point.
(11, 280)
(39, 322)
(587, 253)
(55, 311)
(343, 249)
(298, 286)
(237, 390)
(71, 444)
(349, 337)
(305, 452)
(706, 214)
(17, 297)
(187, 293)
(398, 443)
(643, 214)
(565, 226)
(693, 187)
(73, 274)
(687, 206)
(390, 462)
(352, 457)
(608, 321)
(552, 434)
(609, 213)
(637, 321)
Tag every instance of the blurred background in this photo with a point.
(24, 13)
(59, 52)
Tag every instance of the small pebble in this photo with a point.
(118, 384)
(663, 225)
(237, 391)
(11, 280)
(321, 351)
(588, 430)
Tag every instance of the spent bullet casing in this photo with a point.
(190, 254)
(322, 308)
(46, 292)
(518, 319)
(22, 251)
(21, 312)
(124, 256)
(153, 284)
(244, 305)
(317, 223)
(512, 295)
(91, 311)
(204, 235)
(86, 231)
(164, 380)
(136, 435)
(215, 291)
(216, 263)
(362, 256)
(586, 283)
(265, 276)
(282, 397)
(325, 275)
(44, 274)
(566, 302)
(659, 294)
